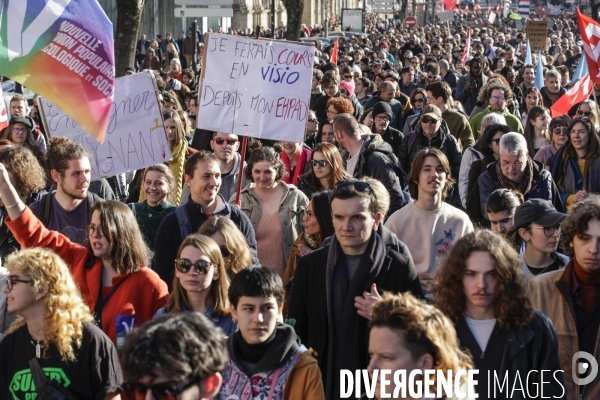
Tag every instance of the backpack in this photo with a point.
(402, 176)
(184, 221)
(46, 206)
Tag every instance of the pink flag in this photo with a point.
(467, 48)
(3, 114)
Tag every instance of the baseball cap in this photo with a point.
(23, 120)
(377, 61)
(538, 211)
(431, 110)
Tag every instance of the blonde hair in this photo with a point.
(66, 311)
(218, 288)
(235, 241)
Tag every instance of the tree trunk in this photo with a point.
(594, 6)
(129, 14)
(294, 9)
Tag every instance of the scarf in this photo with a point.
(347, 333)
(303, 157)
(524, 185)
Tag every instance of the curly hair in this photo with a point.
(126, 243)
(341, 105)
(60, 151)
(218, 288)
(168, 176)
(333, 157)
(424, 330)
(511, 303)
(27, 171)
(270, 155)
(235, 242)
(66, 312)
(578, 219)
(183, 346)
(415, 171)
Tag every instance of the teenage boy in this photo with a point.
(265, 357)
(571, 297)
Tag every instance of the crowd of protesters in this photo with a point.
(436, 217)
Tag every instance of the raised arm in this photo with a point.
(9, 196)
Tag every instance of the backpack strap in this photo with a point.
(45, 208)
(183, 219)
(132, 206)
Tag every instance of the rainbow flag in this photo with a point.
(64, 51)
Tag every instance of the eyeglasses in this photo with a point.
(382, 118)
(12, 279)
(517, 164)
(549, 230)
(320, 163)
(162, 391)
(331, 112)
(497, 141)
(420, 100)
(20, 130)
(316, 121)
(184, 266)
(347, 76)
(497, 98)
(426, 120)
(561, 131)
(92, 229)
(224, 251)
(230, 141)
(309, 214)
(586, 113)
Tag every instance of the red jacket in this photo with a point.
(141, 293)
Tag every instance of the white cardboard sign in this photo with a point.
(135, 137)
(257, 88)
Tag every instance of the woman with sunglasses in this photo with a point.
(588, 109)
(326, 169)
(418, 98)
(295, 157)
(110, 270)
(531, 98)
(559, 129)
(55, 328)
(201, 283)
(536, 236)
(232, 243)
(536, 129)
(318, 225)
(273, 206)
(576, 165)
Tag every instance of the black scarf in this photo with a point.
(348, 349)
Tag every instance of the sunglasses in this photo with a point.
(224, 251)
(559, 131)
(586, 113)
(497, 141)
(347, 76)
(426, 120)
(314, 120)
(184, 266)
(320, 163)
(358, 185)
(162, 391)
(230, 141)
(11, 281)
(420, 100)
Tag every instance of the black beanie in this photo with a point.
(382, 108)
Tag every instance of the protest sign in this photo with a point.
(492, 17)
(62, 50)
(537, 32)
(135, 135)
(446, 16)
(257, 88)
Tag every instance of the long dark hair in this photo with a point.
(535, 112)
(322, 210)
(593, 148)
(486, 139)
(333, 157)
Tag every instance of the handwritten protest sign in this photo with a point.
(256, 88)
(135, 136)
(537, 32)
(62, 50)
(446, 16)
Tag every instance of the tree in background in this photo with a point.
(129, 14)
(294, 9)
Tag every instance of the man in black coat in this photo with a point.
(141, 49)
(336, 286)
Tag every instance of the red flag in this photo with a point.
(450, 4)
(334, 53)
(477, 7)
(590, 35)
(3, 114)
(580, 91)
(467, 48)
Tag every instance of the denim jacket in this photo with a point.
(290, 213)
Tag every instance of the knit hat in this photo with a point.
(382, 108)
(348, 86)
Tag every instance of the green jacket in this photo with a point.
(513, 122)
